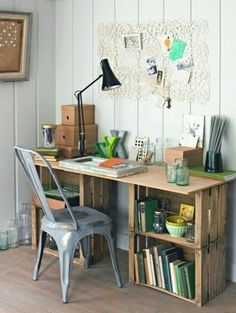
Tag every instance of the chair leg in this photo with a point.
(65, 258)
(86, 250)
(113, 259)
(42, 240)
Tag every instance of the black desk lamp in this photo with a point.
(109, 82)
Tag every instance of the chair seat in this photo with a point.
(85, 216)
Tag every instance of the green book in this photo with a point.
(167, 255)
(52, 151)
(183, 281)
(225, 176)
(146, 208)
(142, 276)
(178, 277)
(189, 271)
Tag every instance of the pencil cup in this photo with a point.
(213, 162)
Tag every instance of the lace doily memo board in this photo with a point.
(156, 61)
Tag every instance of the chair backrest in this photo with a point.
(25, 157)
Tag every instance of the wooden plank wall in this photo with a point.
(26, 105)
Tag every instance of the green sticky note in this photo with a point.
(177, 50)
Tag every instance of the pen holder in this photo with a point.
(213, 162)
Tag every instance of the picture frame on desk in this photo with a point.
(15, 44)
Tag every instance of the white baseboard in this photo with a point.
(231, 271)
(122, 241)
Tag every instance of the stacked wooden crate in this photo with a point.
(67, 134)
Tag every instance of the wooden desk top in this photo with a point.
(154, 178)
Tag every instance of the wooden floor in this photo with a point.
(92, 290)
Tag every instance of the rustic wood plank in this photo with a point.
(213, 270)
(132, 196)
(222, 207)
(213, 215)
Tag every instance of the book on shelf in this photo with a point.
(48, 151)
(136, 268)
(226, 175)
(158, 262)
(142, 276)
(189, 270)
(177, 273)
(145, 214)
(184, 291)
(168, 256)
(49, 158)
(173, 276)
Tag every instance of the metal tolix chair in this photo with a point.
(67, 226)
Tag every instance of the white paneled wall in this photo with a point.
(77, 64)
(26, 105)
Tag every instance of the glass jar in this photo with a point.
(171, 172)
(3, 239)
(160, 146)
(182, 176)
(181, 162)
(159, 222)
(190, 233)
(25, 225)
(13, 234)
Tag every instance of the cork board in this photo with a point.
(15, 37)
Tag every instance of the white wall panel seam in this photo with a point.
(72, 50)
(93, 48)
(220, 55)
(114, 102)
(36, 77)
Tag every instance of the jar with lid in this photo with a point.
(190, 233)
(159, 222)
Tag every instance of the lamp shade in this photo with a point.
(109, 79)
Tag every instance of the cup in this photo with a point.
(49, 134)
(190, 232)
(171, 172)
(181, 162)
(4, 239)
(182, 177)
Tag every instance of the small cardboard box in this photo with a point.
(69, 114)
(193, 155)
(69, 135)
(72, 152)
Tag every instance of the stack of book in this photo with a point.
(163, 266)
(50, 153)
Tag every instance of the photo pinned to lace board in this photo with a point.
(192, 131)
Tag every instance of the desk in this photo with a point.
(207, 195)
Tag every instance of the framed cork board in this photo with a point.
(15, 43)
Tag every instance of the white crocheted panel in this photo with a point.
(175, 51)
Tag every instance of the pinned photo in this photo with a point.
(166, 42)
(133, 41)
(184, 64)
(151, 66)
(159, 77)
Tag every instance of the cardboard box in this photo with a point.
(193, 155)
(69, 114)
(72, 152)
(69, 135)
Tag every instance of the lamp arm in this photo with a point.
(77, 92)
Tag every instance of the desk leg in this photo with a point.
(131, 231)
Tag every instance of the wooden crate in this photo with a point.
(210, 271)
(72, 152)
(69, 135)
(69, 114)
(193, 155)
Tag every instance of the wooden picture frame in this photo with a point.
(15, 44)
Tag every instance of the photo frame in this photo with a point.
(15, 44)
(133, 41)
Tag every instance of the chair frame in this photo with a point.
(66, 233)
